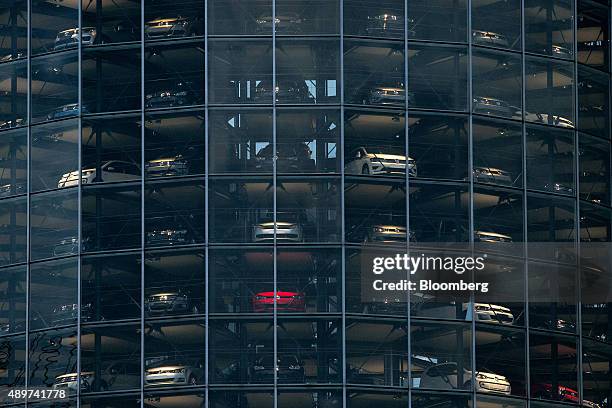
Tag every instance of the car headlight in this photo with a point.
(481, 376)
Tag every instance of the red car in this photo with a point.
(285, 302)
(545, 391)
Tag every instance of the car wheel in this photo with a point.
(192, 380)
(365, 169)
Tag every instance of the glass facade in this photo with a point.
(186, 190)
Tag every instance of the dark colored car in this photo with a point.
(66, 111)
(167, 167)
(289, 157)
(289, 369)
(179, 94)
(286, 301)
(492, 106)
(172, 27)
(168, 236)
(286, 90)
(171, 302)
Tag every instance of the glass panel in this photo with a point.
(13, 85)
(54, 156)
(550, 219)
(54, 87)
(174, 145)
(374, 73)
(170, 20)
(174, 283)
(13, 304)
(110, 359)
(596, 368)
(305, 212)
(549, 92)
(553, 367)
(13, 234)
(110, 217)
(496, 23)
(113, 22)
(438, 20)
(242, 399)
(54, 26)
(53, 294)
(549, 28)
(239, 71)
(311, 279)
(243, 17)
(174, 353)
(12, 365)
(14, 39)
(236, 207)
(174, 213)
(242, 281)
(237, 137)
(375, 144)
(240, 352)
(595, 223)
(498, 153)
(380, 19)
(593, 35)
(110, 287)
(593, 106)
(123, 401)
(437, 77)
(500, 361)
(174, 75)
(307, 71)
(594, 171)
(321, 398)
(376, 353)
(53, 224)
(304, 17)
(497, 84)
(13, 163)
(439, 145)
(309, 351)
(111, 142)
(441, 356)
(53, 359)
(550, 160)
(110, 80)
(498, 214)
(307, 141)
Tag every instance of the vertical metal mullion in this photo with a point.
(407, 181)
(28, 198)
(274, 185)
(142, 199)
(471, 203)
(79, 195)
(524, 190)
(206, 207)
(343, 208)
(577, 203)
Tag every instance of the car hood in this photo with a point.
(387, 156)
(278, 223)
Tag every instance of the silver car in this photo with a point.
(445, 376)
(489, 38)
(388, 233)
(492, 175)
(285, 231)
(170, 373)
(489, 313)
(167, 166)
(70, 38)
(492, 106)
(113, 170)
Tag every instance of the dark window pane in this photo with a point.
(594, 171)
(496, 23)
(13, 305)
(240, 141)
(593, 105)
(593, 35)
(170, 19)
(550, 219)
(553, 367)
(237, 69)
(54, 86)
(437, 77)
(53, 224)
(13, 233)
(54, 27)
(304, 17)
(550, 160)
(52, 355)
(13, 163)
(113, 22)
(549, 28)
(374, 73)
(438, 20)
(14, 39)
(12, 365)
(380, 19)
(13, 110)
(242, 17)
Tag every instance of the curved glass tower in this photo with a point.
(186, 189)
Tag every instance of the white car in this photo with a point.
(114, 170)
(489, 313)
(360, 161)
(492, 175)
(444, 376)
(544, 118)
(173, 373)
